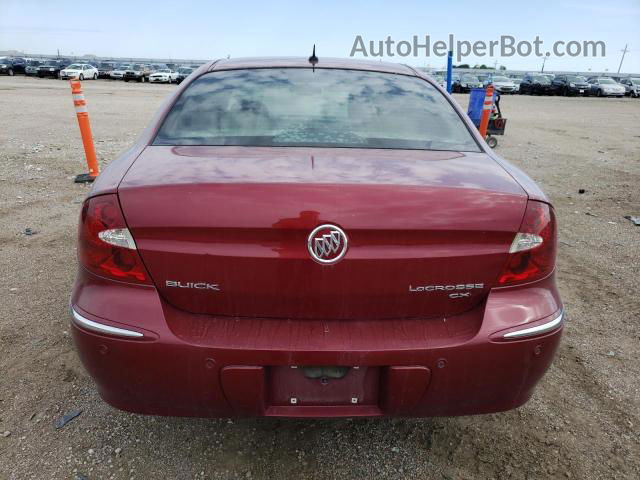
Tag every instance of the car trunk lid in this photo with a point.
(224, 230)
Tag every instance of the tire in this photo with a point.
(10, 72)
(81, 77)
(599, 93)
(492, 141)
(95, 76)
(565, 92)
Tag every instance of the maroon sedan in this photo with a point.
(322, 240)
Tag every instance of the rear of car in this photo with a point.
(338, 241)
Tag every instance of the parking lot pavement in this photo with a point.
(582, 422)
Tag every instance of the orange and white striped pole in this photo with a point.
(85, 131)
(486, 111)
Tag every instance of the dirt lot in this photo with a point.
(582, 423)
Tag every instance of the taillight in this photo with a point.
(105, 245)
(532, 255)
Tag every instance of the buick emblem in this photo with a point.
(327, 244)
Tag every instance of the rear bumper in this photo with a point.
(158, 360)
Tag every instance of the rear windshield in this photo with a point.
(325, 108)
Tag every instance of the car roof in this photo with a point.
(303, 62)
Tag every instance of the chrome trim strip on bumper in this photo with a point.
(537, 330)
(101, 328)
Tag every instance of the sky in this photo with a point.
(212, 29)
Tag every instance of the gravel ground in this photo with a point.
(582, 422)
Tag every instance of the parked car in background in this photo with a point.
(535, 84)
(105, 69)
(52, 68)
(138, 72)
(12, 65)
(501, 83)
(631, 86)
(570, 85)
(183, 72)
(483, 78)
(221, 275)
(118, 72)
(81, 71)
(32, 67)
(164, 75)
(516, 79)
(465, 83)
(606, 87)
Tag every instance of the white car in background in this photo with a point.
(118, 72)
(81, 71)
(164, 75)
(502, 84)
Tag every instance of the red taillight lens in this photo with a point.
(533, 252)
(102, 236)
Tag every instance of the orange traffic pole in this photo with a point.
(486, 111)
(85, 131)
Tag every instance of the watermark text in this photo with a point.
(504, 46)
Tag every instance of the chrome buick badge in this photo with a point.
(327, 244)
